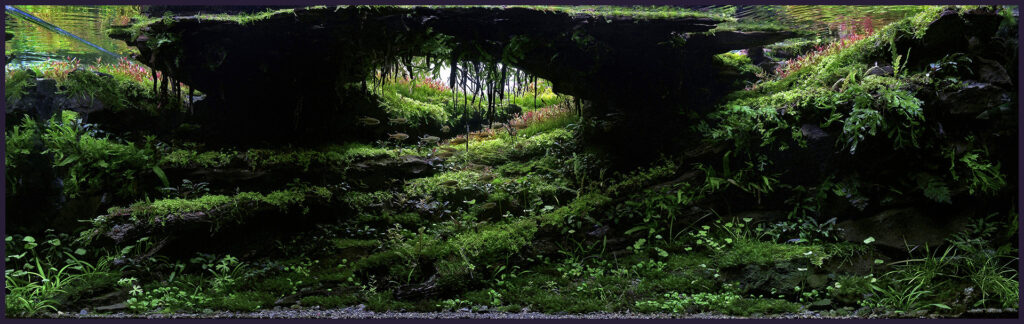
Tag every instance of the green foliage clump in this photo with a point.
(331, 157)
(555, 123)
(738, 62)
(442, 184)
(745, 251)
(43, 274)
(223, 208)
(422, 106)
(16, 85)
(496, 241)
(183, 158)
(116, 94)
(180, 206)
(936, 279)
(977, 172)
(366, 201)
(243, 301)
(686, 303)
(575, 213)
(87, 164)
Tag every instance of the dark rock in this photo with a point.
(804, 165)
(289, 300)
(880, 70)
(513, 109)
(378, 173)
(114, 307)
(946, 33)
(286, 96)
(990, 71)
(900, 229)
(972, 99)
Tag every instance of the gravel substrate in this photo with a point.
(359, 312)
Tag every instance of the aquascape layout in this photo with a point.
(511, 161)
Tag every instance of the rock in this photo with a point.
(973, 98)
(946, 34)
(879, 70)
(900, 229)
(990, 71)
(803, 165)
(261, 84)
(512, 110)
(114, 307)
(287, 300)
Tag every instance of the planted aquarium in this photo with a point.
(507, 162)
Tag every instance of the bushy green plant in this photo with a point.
(691, 303)
(87, 164)
(977, 172)
(16, 85)
(39, 277)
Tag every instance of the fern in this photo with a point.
(981, 175)
(934, 188)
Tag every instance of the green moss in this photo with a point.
(387, 218)
(442, 184)
(185, 158)
(766, 26)
(640, 178)
(366, 201)
(738, 62)
(355, 243)
(746, 251)
(221, 207)
(574, 211)
(330, 157)
(544, 165)
(181, 206)
(496, 241)
(246, 18)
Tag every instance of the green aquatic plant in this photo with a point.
(41, 276)
(16, 84)
(88, 164)
(979, 174)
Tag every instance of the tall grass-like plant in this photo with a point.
(37, 287)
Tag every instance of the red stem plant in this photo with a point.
(850, 32)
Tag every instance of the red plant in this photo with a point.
(850, 32)
(427, 82)
(59, 70)
(127, 68)
(538, 115)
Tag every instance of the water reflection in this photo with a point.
(34, 43)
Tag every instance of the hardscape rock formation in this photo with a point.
(296, 75)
